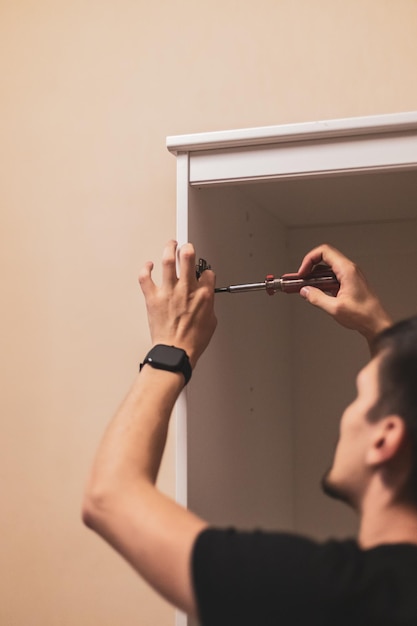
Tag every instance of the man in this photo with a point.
(230, 577)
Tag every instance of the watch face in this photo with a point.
(167, 355)
(169, 358)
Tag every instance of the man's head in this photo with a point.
(378, 430)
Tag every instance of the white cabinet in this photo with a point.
(257, 426)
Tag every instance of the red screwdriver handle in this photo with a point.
(321, 277)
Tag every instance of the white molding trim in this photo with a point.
(345, 127)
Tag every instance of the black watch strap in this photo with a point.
(170, 359)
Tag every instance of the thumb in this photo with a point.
(318, 298)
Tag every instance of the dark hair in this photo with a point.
(398, 383)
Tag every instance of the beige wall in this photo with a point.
(89, 90)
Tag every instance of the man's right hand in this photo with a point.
(356, 306)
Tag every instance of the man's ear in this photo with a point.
(388, 436)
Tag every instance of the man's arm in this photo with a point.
(121, 501)
(356, 306)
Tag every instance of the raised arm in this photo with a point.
(121, 502)
(356, 306)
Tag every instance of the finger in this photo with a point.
(290, 275)
(208, 279)
(337, 261)
(145, 279)
(332, 257)
(318, 298)
(169, 263)
(310, 260)
(187, 265)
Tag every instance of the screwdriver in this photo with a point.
(321, 277)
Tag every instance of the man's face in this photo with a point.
(347, 477)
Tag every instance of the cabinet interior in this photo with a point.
(267, 396)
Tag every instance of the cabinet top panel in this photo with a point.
(347, 127)
(341, 171)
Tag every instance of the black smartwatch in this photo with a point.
(170, 359)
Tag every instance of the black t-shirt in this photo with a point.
(276, 579)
